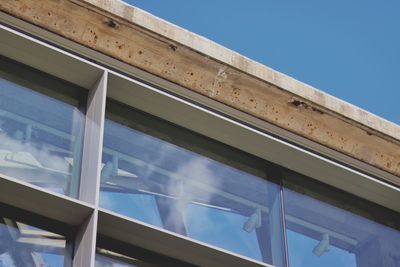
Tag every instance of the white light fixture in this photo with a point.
(106, 171)
(18, 136)
(253, 222)
(323, 245)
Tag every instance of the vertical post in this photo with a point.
(277, 232)
(277, 221)
(85, 243)
(93, 142)
(168, 210)
(77, 137)
(283, 222)
(264, 239)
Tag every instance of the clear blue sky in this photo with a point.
(347, 48)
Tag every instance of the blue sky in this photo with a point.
(349, 49)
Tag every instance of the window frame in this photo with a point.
(42, 84)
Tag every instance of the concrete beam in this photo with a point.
(167, 51)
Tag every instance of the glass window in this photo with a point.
(22, 245)
(106, 258)
(322, 234)
(41, 127)
(169, 177)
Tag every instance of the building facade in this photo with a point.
(128, 141)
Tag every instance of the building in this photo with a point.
(127, 141)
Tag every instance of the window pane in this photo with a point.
(320, 234)
(24, 245)
(40, 136)
(106, 258)
(151, 174)
(219, 228)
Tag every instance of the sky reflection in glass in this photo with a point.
(22, 245)
(111, 259)
(320, 234)
(166, 185)
(40, 138)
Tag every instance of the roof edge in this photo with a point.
(234, 59)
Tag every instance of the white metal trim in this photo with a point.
(41, 201)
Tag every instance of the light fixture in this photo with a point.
(323, 245)
(110, 169)
(253, 222)
(107, 171)
(18, 136)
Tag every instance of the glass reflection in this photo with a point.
(146, 177)
(40, 136)
(320, 234)
(22, 245)
(106, 258)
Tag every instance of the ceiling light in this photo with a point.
(253, 222)
(323, 245)
(106, 171)
(18, 136)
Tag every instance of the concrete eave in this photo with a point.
(142, 40)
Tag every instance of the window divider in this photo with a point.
(93, 142)
(85, 241)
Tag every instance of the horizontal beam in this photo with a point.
(39, 56)
(36, 200)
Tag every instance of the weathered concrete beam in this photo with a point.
(156, 46)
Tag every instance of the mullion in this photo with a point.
(85, 240)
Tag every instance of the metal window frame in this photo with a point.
(145, 92)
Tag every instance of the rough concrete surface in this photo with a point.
(172, 53)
